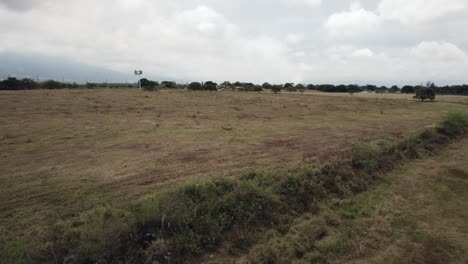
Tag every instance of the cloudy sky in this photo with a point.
(308, 41)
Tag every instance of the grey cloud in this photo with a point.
(261, 40)
(20, 5)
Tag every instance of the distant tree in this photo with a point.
(328, 88)
(394, 89)
(51, 84)
(225, 85)
(10, 83)
(300, 88)
(148, 85)
(370, 87)
(266, 86)
(238, 84)
(290, 87)
(168, 85)
(381, 89)
(28, 84)
(195, 86)
(353, 88)
(311, 87)
(276, 88)
(210, 86)
(424, 94)
(94, 85)
(250, 87)
(407, 89)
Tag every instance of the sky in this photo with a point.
(300, 41)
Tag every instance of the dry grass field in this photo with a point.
(65, 151)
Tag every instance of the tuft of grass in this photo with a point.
(95, 236)
(368, 155)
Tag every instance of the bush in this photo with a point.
(192, 217)
(367, 156)
(276, 88)
(95, 236)
(455, 123)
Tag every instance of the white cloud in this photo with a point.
(208, 39)
(419, 11)
(299, 54)
(362, 53)
(356, 20)
(438, 52)
(294, 38)
(312, 3)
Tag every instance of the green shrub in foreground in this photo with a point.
(455, 123)
(98, 235)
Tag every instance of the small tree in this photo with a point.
(210, 86)
(195, 86)
(394, 89)
(148, 85)
(226, 85)
(290, 87)
(168, 85)
(300, 88)
(276, 88)
(426, 92)
(311, 87)
(266, 85)
(407, 89)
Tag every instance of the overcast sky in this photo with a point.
(308, 41)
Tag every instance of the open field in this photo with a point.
(66, 151)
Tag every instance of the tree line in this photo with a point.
(146, 84)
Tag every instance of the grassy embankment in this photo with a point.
(189, 219)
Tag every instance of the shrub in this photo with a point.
(276, 88)
(367, 156)
(96, 235)
(455, 123)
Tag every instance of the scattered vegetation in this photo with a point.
(27, 84)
